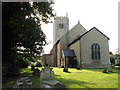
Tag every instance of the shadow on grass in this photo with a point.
(69, 82)
(57, 75)
(9, 83)
(96, 70)
(67, 72)
(111, 72)
(101, 70)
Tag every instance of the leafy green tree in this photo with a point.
(21, 24)
(117, 56)
(112, 58)
(111, 53)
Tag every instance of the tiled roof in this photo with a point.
(85, 34)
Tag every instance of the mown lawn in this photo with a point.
(87, 78)
(84, 78)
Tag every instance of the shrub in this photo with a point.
(118, 64)
(32, 59)
(23, 63)
(36, 72)
(112, 59)
(38, 64)
(32, 68)
(8, 71)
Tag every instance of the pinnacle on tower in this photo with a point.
(55, 14)
(78, 21)
(66, 14)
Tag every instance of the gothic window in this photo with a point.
(95, 51)
(61, 25)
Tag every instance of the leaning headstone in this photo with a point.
(109, 69)
(65, 69)
(105, 71)
(78, 68)
(47, 79)
(45, 74)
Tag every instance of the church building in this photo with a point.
(78, 47)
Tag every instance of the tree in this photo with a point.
(112, 58)
(22, 34)
(117, 57)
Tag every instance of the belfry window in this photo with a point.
(61, 25)
(95, 51)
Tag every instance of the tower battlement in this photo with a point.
(60, 27)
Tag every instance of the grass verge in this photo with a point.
(84, 78)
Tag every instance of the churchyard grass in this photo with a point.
(87, 78)
(25, 72)
(84, 78)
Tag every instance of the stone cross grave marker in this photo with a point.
(47, 79)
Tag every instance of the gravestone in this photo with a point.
(109, 69)
(47, 74)
(47, 79)
(65, 69)
(105, 71)
(23, 83)
(78, 68)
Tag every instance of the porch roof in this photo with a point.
(69, 53)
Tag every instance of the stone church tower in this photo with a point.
(60, 27)
(78, 47)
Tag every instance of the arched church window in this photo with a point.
(61, 25)
(95, 51)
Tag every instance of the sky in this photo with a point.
(102, 14)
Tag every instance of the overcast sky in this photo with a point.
(102, 14)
